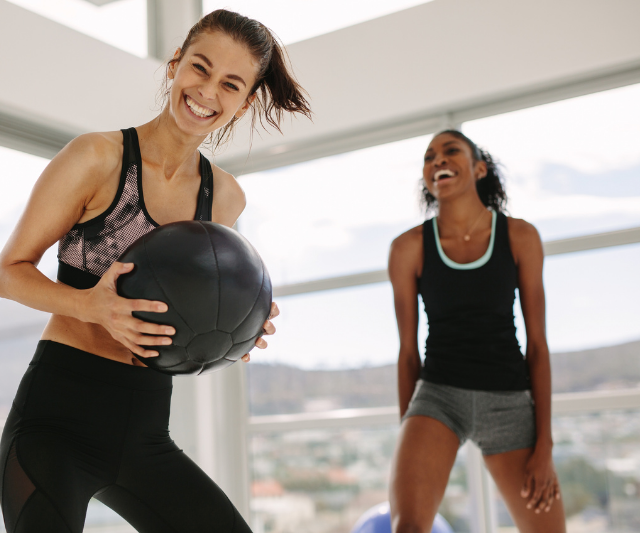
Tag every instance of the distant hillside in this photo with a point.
(600, 368)
(286, 389)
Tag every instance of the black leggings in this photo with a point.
(83, 426)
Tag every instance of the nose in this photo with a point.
(208, 91)
(439, 160)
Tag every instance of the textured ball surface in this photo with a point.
(217, 289)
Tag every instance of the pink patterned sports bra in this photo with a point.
(89, 249)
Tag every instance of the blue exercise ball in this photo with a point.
(378, 520)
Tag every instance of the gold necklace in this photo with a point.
(467, 236)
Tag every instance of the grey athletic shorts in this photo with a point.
(497, 421)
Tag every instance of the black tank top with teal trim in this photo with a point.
(472, 336)
(90, 248)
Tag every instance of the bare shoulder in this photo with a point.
(524, 239)
(94, 154)
(84, 163)
(521, 229)
(228, 197)
(97, 148)
(405, 255)
(408, 241)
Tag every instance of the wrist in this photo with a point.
(543, 444)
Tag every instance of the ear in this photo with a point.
(247, 104)
(481, 170)
(173, 64)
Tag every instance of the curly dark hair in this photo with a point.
(490, 188)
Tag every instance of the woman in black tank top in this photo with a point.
(475, 383)
(90, 420)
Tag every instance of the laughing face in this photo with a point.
(450, 168)
(211, 84)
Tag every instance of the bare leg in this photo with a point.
(508, 471)
(423, 461)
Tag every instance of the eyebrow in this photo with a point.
(210, 65)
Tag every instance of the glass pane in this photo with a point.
(122, 23)
(324, 480)
(20, 326)
(572, 167)
(336, 215)
(593, 318)
(597, 461)
(294, 21)
(333, 350)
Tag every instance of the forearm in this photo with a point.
(408, 375)
(540, 373)
(24, 283)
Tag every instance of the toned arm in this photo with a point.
(405, 265)
(540, 485)
(68, 188)
(78, 184)
(528, 255)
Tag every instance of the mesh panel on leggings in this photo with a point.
(16, 490)
(96, 247)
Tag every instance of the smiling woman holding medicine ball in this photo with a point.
(466, 263)
(89, 419)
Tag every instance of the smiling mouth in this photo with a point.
(442, 175)
(198, 110)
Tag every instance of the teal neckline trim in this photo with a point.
(474, 264)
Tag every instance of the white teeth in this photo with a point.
(444, 172)
(202, 112)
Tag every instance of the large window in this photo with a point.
(323, 480)
(336, 215)
(573, 169)
(20, 327)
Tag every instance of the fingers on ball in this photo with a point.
(149, 306)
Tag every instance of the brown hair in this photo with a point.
(276, 88)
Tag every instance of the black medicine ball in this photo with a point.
(217, 289)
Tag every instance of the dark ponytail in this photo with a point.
(275, 88)
(490, 188)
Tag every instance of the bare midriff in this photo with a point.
(88, 337)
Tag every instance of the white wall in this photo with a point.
(429, 59)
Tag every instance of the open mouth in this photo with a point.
(198, 110)
(443, 175)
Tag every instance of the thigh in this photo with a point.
(169, 493)
(43, 490)
(508, 471)
(425, 454)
